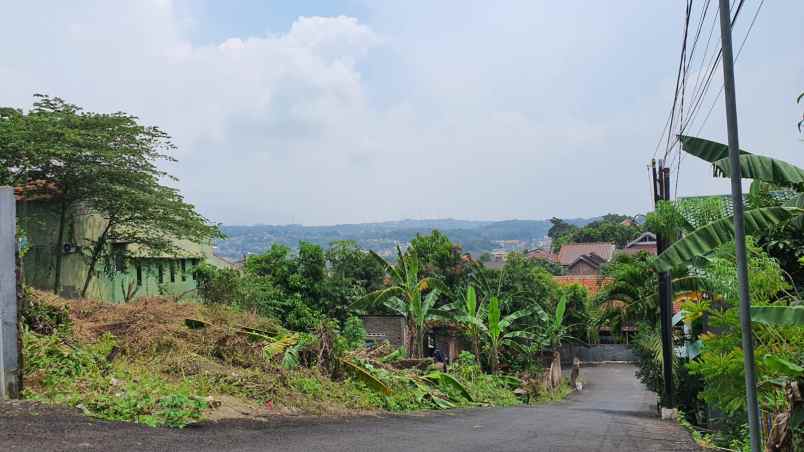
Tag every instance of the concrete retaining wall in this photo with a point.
(597, 353)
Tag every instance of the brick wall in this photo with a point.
(386, 327)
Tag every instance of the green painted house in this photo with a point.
(127, 273)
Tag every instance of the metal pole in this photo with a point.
(9, 352)
(752, 407)
(662, 183)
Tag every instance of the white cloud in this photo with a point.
(420, 109)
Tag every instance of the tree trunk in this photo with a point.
(96, 252)
(494, 362)
(476, 347)
(555, 370)
(59, 248)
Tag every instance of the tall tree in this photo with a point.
(559, 228)
(107, 165)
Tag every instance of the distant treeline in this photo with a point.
(474, 236)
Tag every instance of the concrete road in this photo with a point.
(613, 413)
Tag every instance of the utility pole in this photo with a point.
(10, 373)
(752, 407)
(661, 190)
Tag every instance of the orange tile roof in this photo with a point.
(36, 190)
(593, 283)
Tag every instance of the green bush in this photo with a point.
(354, 333)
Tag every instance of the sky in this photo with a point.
(346, 111)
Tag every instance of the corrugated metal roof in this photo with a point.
(572, 251)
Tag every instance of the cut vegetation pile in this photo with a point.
(157, 362)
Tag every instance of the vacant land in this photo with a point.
(614, 413)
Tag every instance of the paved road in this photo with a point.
(612, 414)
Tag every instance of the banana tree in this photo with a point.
(707, 238)
(500, 331)
(408, 295)
(470, 313)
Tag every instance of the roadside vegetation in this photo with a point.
(708, 373)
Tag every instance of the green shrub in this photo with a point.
(354, 333)
(306, 385)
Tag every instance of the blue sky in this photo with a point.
(321, 112)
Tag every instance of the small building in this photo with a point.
(445, 336)
(542, 254)
(128, 271)
(585, 258)
(381, 328)
(645, 242)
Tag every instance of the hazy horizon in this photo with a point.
(353, 111)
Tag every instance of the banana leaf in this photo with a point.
(366, 377)
(778, 315)
(280, 345)
(513, 382)
(449, 380)
(442, 403)
(711, 151)
(766, 169)
(782, 366)
(707, 238)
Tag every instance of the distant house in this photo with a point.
(128, 272)
(542, 254)
(585, 258)
(586, 264)
(645, 242)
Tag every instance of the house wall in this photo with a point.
(639, 247)
(386, 327)
(598, 353)
(136, 277)
(582, 268)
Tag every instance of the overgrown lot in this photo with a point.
(161, 363)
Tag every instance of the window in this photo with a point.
(139, 274)
(161, 272)
(119, 256)
(193, 266)
(183, 269)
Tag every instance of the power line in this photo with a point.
(736, 58)
(698, 102)
(669, 126)
(678, 76)
(702, 93)
(691, 57)
(699, 95)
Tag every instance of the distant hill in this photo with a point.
(475, 237)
